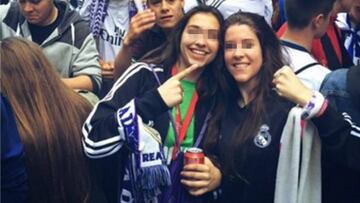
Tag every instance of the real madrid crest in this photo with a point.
(263, 138)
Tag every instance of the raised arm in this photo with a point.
(140, 23)
(103, 132)
(339, 135)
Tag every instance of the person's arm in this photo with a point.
(140, 23)
(85, 63)
(79, 82)
(339, 135)
(107, 69)
(103, 132)
(6, 28)
(122, 60)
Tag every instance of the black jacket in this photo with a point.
(102, 139)
(340, 153)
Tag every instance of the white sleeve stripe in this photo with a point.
(101, 151)
(354, 133)
(112, 140)
(132, 70)
(353, 126)
(114, 150)
(355, 130)
(108, 141)
(128, 73)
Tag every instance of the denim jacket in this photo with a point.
(335, 89)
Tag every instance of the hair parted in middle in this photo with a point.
(167, 54)
(227, 89)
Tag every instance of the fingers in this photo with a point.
(171, 91)
(101, 62)
(181, 75)
(189, 175)
(201, 178)
(139, 23)
(198, 192)
(289, 86)
(107, 74)
(193, 185)
(282, 76)
(107, 69)
(142, 21)
(196, 167)
(284, 71)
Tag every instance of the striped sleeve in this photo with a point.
(103, 134)
(355, 129)
(340, 137)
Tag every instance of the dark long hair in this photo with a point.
(49, 116)
(227, 91)
(169, 52)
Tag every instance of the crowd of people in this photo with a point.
(100, 99)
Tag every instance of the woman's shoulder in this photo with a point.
(142, 68)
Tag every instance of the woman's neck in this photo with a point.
(247, 93)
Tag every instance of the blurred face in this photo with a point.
(355, 12)
(38, 12)
(344, 5)
(167, 12)
(243, 55)
(199, 41)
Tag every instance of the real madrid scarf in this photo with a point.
(352, 38)
(146, 171)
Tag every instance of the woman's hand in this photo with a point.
(201, 178)
(289, 86)
(171, 91)
(107, 69)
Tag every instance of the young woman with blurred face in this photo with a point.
(171, 80)
(249, 116)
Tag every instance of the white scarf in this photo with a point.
(298, 177)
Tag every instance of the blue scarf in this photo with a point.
(146, 173)
(354, 48)
(98, 13)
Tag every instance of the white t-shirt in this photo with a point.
(114, 28)
(298, 58)
(228, 7)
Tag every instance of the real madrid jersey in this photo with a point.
(257, 163)
(113, 29)
(228, 7)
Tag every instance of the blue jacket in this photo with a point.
(342, 88)
(14, 187)
(341, 181)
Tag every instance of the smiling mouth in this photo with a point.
(241, 65)
(198, 52)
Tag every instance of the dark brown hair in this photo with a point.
(167, 54)
(49, 117)
(227, 92)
